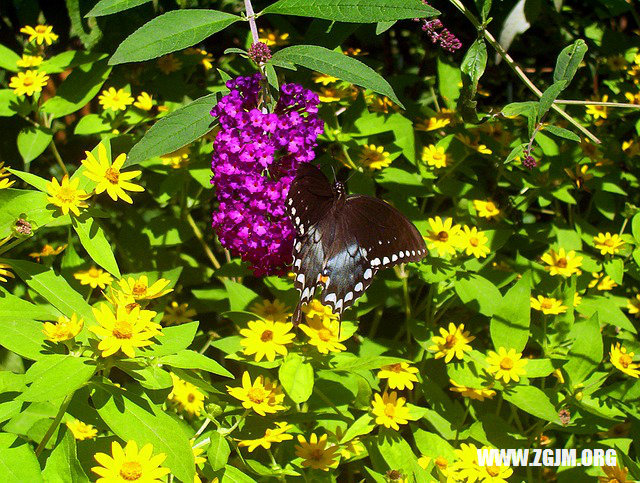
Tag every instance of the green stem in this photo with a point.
(54, 424)
(58, 158)
(203, 243)
(624, 225)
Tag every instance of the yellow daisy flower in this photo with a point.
(577, 300)
(548, 305)
(473, 242)
(315, 453)
(390, 410)
(176, 314)
(623, 360)
(399, 376)
(139, 289)
(598, 112)
(66, 328)
(633, 305)
(333, 94)
(197, 451)
(466, 464)
(276, 435)
(494, 474)
(129, 464)
(263, 396)
(80, 430)
(434, 156)
(6, 183)
(451, 343)
(40, 33)
(66, 195)
(323, 79)
(94, 277)
(116, 100)
(108, 176)
(601, 282)
(144, 101)
(562, 263)
(177, 159)
(123, 331)
(506, 365)
(325, 335)
(381, 104)
(479, 394)
(475, 145)
(608, 244)
(443, 236)
(168, 64)
(275, 311)
(614, 474)
(315, 309)
(374, 157)
(272, 37)
(349, 448)
(486, 209)
(632, 98)
(266, 338)
(4, 272)
(29, 61)
(206, 58)
(47, 251)
(28, 83)
(186, 396)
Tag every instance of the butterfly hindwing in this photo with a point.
(310, 198)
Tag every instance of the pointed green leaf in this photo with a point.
(296, 377)
(56, 376)
(32, 141)
(108, 7)
(586, 351)
(510, 323)
(188, 359)
(218, 451)
(95, 242)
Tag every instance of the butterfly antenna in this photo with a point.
(335, 178)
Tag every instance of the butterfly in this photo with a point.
(343, 240)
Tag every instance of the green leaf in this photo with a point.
(82, 85)
(95, 242)
(16, 307)
(8, 59)
(21, 336)
(218, 451)
(56, 376)
(240, 297)
(188, 359)
(234, 475)
(108, 7)
(363, 425)
(358, 11)
(18, 202)
(174, 30)
(173, 339)
(62, 464)
(131, 417)
(615, 269)
(32, 141)
(478, 293)
(338, 65)
(19, 464)
(53, 288)
(350, 363)
(549, 96)
(635, 227)
(92, 124)
(150, 377)
(539, 367)
(395, 451)
(30, 178)
(69, 59)
(586, 351)
(527, 109)
(533, 401)
(8, 103)
(608, 311)
(175, 130)
(562, 133)
(296, 377)
(510, 323)
(472, 68)
(569, 60)
(449, 82)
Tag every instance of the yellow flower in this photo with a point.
(506, 365)
(95, 277)
(608, 244)
(548, 305)
(324, 79)
(440, 120)
(144, 101)
(390, 410)
(116, 100)
(29, 61)
(602, 283)
(4, 174)
(6, 183)
(206, 58)
(324, 334)
(494, 474)
(40, 33)
(176, 314)
(473, 242)
(381, 104)
(197, 451)
(631, 148)
(123, 331)
(266, 338)
(623, 360)
(186, 396)
(632, 304)
(466, 466)
(66, 195)
(4, 272)
(334, 94)
(108, 176)
(315, 453)
(315, 309)
(562, 263)
(177, 159)
(374, 157)
(633, 98)
(129, 464)
(272, 37)
(598, 112)
(47, 251)
(577, 300)
(276, 435)
(169, 63)
(479, 394)
(475, 145)
(263, 396)
(349, 448)
(443, 236)
(66, 328)
(80, 430)
(486, 209)
(275, 311)
(28, 83)
(451, 343)
(139, 289)
(614, 474)
(399, 376)
(434, 156)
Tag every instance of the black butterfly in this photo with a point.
(343, 240)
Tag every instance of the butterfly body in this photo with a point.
(343, 240)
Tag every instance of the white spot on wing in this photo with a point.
(359, 287)
(386, 261)
(300, 278)
(348, 297)
(297, 263)
(338, 305)
(394, 257)
(368, 273)
(330, 298)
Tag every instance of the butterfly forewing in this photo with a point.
(310, 198)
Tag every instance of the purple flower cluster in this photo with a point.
(255, 156)
(259, 52)
(444, 37)
(529, 161)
